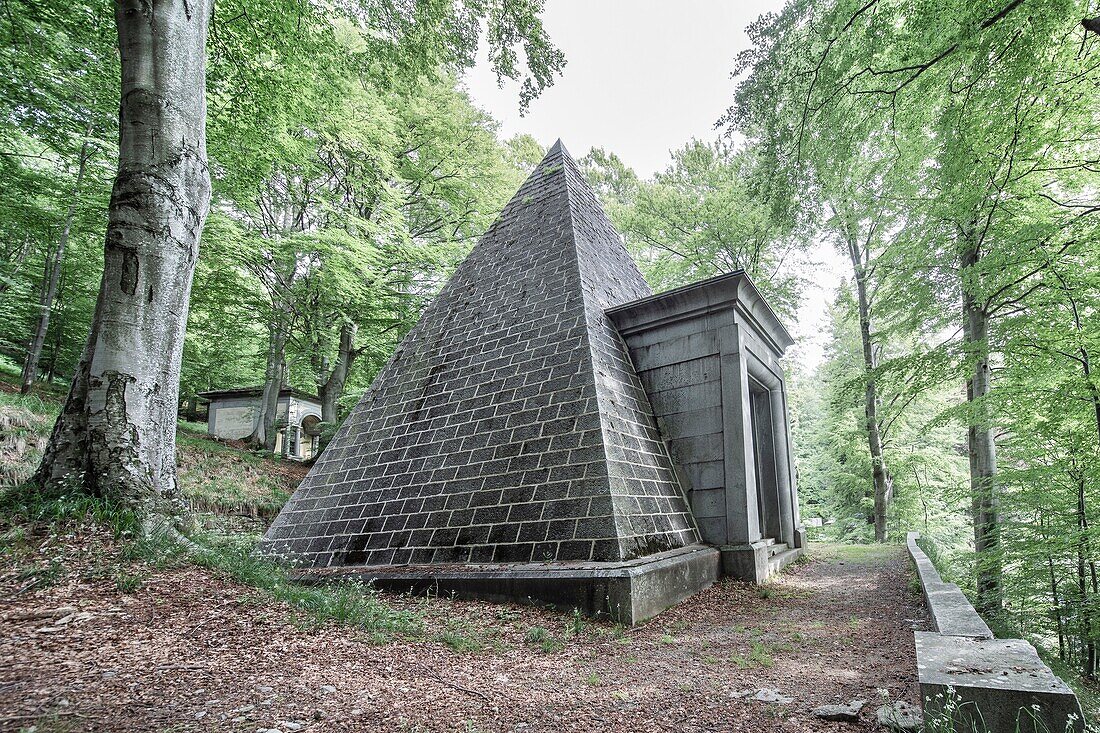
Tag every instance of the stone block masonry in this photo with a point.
(509, 449)
(709, 357)
(509, 427)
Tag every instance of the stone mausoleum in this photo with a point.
(551, 431)
(234, 413)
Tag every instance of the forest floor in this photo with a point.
(98, 633)
(110, 644)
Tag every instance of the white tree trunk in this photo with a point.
(981, 446)
(53, 276)
(332, 387)
(265, 433)
(116, 433)
(880, 474)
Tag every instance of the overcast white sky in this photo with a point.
(643, 77)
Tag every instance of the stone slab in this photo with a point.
(627, 592)
(978, 682)
(748, 562)
(1001, 683)
(951, 612)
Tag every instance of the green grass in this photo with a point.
(346, 603)
(187, 426)
(218, 478)
(9, 368)
(127, 583)
(576, 624)
(213, 477)
(759, 656)
(852, 553)
(44, 406)
(542, 640)
(25, 424)
(463, 636)
(20, 507)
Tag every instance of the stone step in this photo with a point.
(768, 540)
(780, 560)
(777, 547)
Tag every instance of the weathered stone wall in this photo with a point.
(708, 356)
(508, 427)
(649, 505)
(685, 388)
(236, 417)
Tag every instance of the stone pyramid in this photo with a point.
(509, 426)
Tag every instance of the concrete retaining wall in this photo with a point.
(980, 682)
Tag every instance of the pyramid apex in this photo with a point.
(557, 147)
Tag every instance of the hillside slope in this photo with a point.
(219, 480)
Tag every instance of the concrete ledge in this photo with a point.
(627, 592)
(951, 612)
(748, 562)
(996, 685)
(754, 562)
(984, 683)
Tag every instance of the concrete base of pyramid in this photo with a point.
(627, 592)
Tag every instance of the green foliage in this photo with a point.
(955, 141)
(23, 506)
(543, 640)
(463, 636)
(349, 169)
(700, 218)
(920, 444)
(214, 477)
(577, 623)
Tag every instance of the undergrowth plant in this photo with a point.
(949, 713)
(350, 603)
(24, 512)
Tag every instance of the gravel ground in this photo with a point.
(192, 650)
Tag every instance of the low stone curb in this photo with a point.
(979, 682)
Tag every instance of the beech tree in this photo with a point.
(701, 217)
(116, 433)
(115, 436)
(982, 112)
(56, 98)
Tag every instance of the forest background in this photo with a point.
(946, 150)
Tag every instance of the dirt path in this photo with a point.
(191, 650)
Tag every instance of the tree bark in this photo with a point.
(52, 276)
(192, 409)
(883, 481)
(1088, 641)
(332, 388)
(116, 433)
(264, 434)
(51, 369)
(15, 259)
(981, 447)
